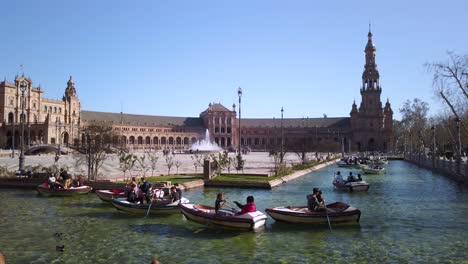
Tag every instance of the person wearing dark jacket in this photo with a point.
(145, 188)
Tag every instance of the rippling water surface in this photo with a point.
(409, 215)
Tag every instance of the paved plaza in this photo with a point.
(255, 162)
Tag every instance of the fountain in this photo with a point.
(205, 145)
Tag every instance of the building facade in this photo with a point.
(47, 121)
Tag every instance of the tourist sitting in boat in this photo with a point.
(66, 178)
(145, 190)
(351, 177)
(132, 192)
(339, 177)
(359, 177)
(174, 196)
(178, 190)
(219, 204)
(246, 208)
(315, 202)
(53, 183)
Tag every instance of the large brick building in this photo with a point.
(369, 127)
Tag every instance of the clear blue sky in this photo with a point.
(174, 57)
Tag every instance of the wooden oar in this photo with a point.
(328, 218)
(151, 203)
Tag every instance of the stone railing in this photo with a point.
(456, 169)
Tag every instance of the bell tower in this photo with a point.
(372, 125)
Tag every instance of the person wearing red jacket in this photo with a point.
(247, 208)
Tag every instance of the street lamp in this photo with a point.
(457, 121)
(433, 146)
(282, 136)
(23, 87)
(239, 157)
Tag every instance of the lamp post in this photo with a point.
(457, 121)
(239, 154)
(282, 137)
(21, 157)
(433, 146)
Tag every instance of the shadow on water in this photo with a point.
(184, 231)
(109, 215)
(281, 227)
(90, 205)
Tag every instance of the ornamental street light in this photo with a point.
(22, 87)
(282, 137)
(433, 146)
(239, 158)
(457, 121)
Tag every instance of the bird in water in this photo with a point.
(60, 248)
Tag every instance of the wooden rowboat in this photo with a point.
(374, 170)
(355, 186)
(108, 195)
(206, 215)
(337, 212)
(160, 207)
(44, 189)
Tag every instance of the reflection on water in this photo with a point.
(408, 215)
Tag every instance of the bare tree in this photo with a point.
(153, 159)
(414, 124)
(169, 163)
(177, 164)
(197, 161)
(127, 162)
(142, 165)
(94, 150)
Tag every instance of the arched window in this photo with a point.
(140, 140)
(10, 118)
(229, 130)
(186, 140)
(163, 141)
(155, 140)
(179, 141)
(131, 140)
(171, 141)
(148, 140)
(194, 140)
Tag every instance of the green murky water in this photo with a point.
(409, 215)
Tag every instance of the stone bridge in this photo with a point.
(46, 147)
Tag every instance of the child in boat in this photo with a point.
(219, 203)
(315, 202)
(247, 208)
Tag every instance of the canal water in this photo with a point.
(409, 215)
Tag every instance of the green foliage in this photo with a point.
(127, 162)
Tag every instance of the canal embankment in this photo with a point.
(456, 169)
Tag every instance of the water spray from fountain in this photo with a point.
(205, 144)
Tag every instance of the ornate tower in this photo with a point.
(372, 126)
(71, 113)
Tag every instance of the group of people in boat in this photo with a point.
(350, 178)
(221, 202)
(143, 192)
(65, 182)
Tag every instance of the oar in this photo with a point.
(151, 203)
(149, 208)
(328, 218)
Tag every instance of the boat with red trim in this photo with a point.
(158, 206)
(206, 215)
(45, 189)
(108, 195)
